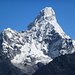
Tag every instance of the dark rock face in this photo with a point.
(24, 74)
(6, 68)
(62, 65)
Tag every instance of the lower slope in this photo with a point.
(62, 65)
(6, 68)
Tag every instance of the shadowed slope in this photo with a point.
(62, 65)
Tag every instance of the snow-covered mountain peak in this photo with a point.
(47, 13)
(46, 20)
(41, 43)
(9, 29)
(45, 17)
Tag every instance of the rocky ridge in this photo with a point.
(62, 65)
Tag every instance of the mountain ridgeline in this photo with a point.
(62, 65)
(40, 44)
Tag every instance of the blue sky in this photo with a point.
(17, 14)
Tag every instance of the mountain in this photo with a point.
(62, 65)
(40, 44)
